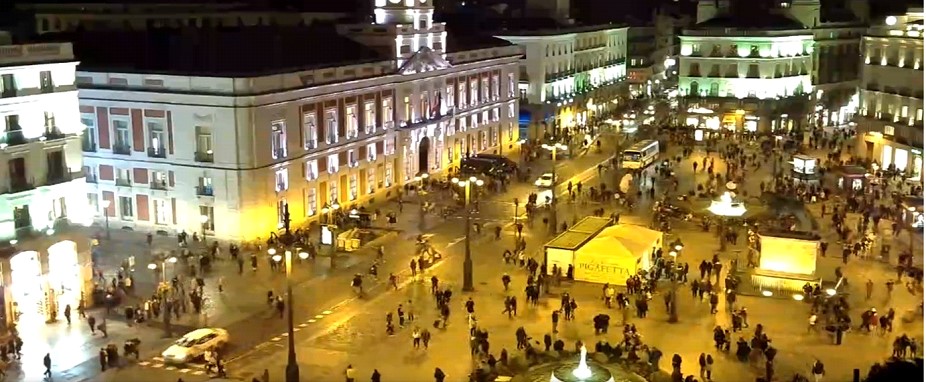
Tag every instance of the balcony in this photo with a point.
(412, 124)
(279, 153)
(53, 133)
(61, 176)
(122, 149)
(122, 182)
(13, 138)
(204, 191)
(205, 157)
(159, 185)
(88, 146)
(8, 93)
(157, 152)
(90, 178)
(20, 185)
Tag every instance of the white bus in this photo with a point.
(640, 155)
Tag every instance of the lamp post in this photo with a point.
(329, 210)
(106, 204)
(468, 259)
(674, 251)
(292, 368)
(554, 147)
(287, 240)
(163, 266)
(204, 221)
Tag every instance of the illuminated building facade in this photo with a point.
(740, 73)
(197, 149)
(41, 183)
(890, 119)
(568, 75)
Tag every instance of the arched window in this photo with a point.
(693, 88)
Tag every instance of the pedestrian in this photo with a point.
(818, 371)
(265, 377)
(555, 318)
(439, 375)
(103, 362)
(92, 322)
(350, 373)
(47, 362)
(67, 313)
(708, 367)
(416, 338)
(102, 328)
(376, 376)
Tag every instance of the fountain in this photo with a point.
(581, 372)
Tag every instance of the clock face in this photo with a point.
(395, 1)
(423, 1)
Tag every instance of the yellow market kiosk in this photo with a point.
(602, 253)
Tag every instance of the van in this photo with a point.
(499, 160)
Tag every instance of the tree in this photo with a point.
(896, 370)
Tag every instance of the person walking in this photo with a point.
(92, 322)
(67, 313)
(47, 362)
(817, 370)
(350, 374)
(439, 375)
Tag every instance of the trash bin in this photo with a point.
(838, 336)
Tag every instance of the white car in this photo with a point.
(194, 345)
(545, 180)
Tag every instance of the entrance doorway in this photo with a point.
(424, 149)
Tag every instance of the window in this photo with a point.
(450, 103)
(50, 126)
(310, 130)
(45, 82)
(352, 160)
(311, 201)
(511, 86)
(209, 213)
(371, 152)
(888, 130)
(461, 99)
(281, 213)
(495, 87)
(123, 177)
(333, 164)
(511, 111)
(161, 211)
(353, 128)
(474, 121)
(352, 186)
(159, 180)
(919, 115)
(496, 114)
(311, 170)
(389, 147)
(156, 138)
(204, 143)
(88, 140)
(278, 139)
(332, 192)
(369, 118)
(282, 180)
(462, 124)
(7, 85)
(408, 110)
(485, 117)
(331, 126)
(904, 111)
(371, 181)
(126, 209)
(94, 201)
(122, 138)
(485, 90)
(388, 174)
(473, 92)
(387, 113)
(204, 187)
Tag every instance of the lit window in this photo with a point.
(310, 131)
(389, 147)
(282, 180)
(371, 152)
(369, 118)
(387, 177)
(278, 139)
(352, 160)
(352, 185)
(331, 126)
(311, 170)
(353, 128)
(387, 113)
(333, 164)
(281, 213)
(311, 201)
(888, 130)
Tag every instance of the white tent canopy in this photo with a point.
(616, 253)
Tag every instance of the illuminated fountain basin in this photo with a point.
(581, 370)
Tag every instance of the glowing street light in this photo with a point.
(554, 147)
(467, 185)
(106, 204)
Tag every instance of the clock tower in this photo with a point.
(411, 26)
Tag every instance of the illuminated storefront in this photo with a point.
(38, 285)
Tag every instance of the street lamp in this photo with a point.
(554, 147)
(329, 210)
(725, 208)
(163, 266)
(676, 248)
(292, 368)
(203, 220)
(106, 204)
(467, 196)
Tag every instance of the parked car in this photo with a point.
(194, 345)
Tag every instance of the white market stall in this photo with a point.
(608, 254)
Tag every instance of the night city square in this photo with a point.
(445, 190)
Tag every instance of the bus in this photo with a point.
(640, 154)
